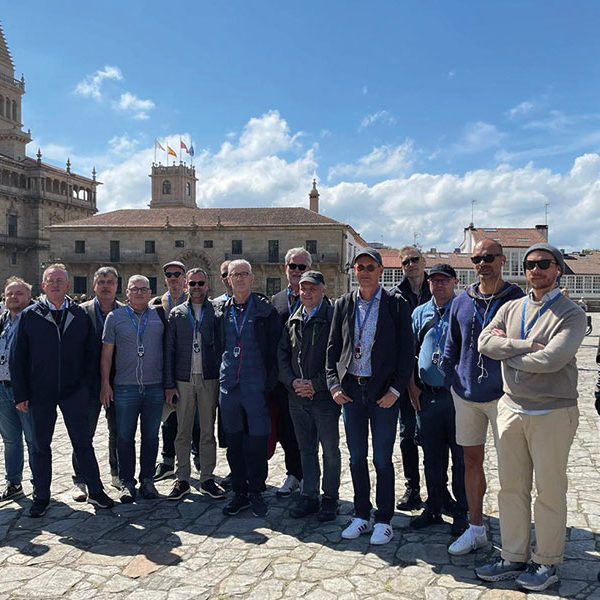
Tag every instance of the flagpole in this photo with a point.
(179, 148)
(155, 140)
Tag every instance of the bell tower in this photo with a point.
(13, 139)
(173, 186)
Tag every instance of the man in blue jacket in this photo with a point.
(53, 362)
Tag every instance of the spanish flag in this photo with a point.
(170, 151)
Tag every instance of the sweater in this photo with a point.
(537, 379)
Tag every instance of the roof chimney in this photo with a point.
(313, 197)
(543, 229)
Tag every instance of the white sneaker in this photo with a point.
(290, 484)
(79, 492)
(468, 542)
(382, 534)
(355, 528)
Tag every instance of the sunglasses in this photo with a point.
(488, 258)
(410, 259)
(196, 283)
(370, 267)
(543, 264)
(169, 274)
(224, 275)
(294, 266)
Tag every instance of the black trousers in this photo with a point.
(287, 434)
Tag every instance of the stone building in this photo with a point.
(173, 228)
(33, 194)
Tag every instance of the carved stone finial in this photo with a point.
(68, 165)
(94, 173)
(39, 155)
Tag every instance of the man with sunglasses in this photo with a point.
(286, 302)
(370, 358)
(414, 288)
(536, 339)
(225, 281)
(174, 272)
(192, 383)
(474, 379)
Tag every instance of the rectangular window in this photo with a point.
(119, 285)
(79, 285)
(208, 243)
(12, 225)
(179, 243)
(273, 251)
(273, 286)
(115, 251)
(311, 246)
(236, 246)
(152, 284)
(150, 246)
(79, 246)
(13, 258)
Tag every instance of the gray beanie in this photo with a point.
(548, 248)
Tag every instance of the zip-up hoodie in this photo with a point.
(474, 376)
(46, 365)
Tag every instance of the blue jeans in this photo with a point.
(317, 422)
(131, 404)
(358, 415)
(437, 430)
(13, 424)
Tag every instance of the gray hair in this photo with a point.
(19, 280)
(134, 277)
(54, 266)
(104, 271)
(295, 251)
(195, 270)
(405, 249)
(239, 262)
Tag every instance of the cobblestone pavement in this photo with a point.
(162, 550)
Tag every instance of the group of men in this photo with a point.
(443, 365)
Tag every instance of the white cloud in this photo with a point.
(451, 74)
(91, 84)
(478, 136)
(122, 144)
(365, 90)
(381, 161)
(131, 103)
(520, 110)
(381, 116)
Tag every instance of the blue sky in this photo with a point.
(406, 111)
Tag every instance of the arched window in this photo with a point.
(188, 189)
(166, 187)
(14, 110)
(55, 186)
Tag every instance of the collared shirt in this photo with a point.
(7, 337)
(197, 356)
(547, 296)
(362, 366)
(52, 307)
(313, 311)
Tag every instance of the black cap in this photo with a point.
(312, 277)
(369, 252)
(174, 263)
(443, 269)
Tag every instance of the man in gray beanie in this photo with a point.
(536, 339)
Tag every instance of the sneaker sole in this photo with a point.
(231, 513)
(387, 540)
(467, 551)
(355, 536)
(179, 496)
(99, 504)
(164, 475)
(502, 577)
(219, 497)
(259, 514)
(537, 588)
(13, 497)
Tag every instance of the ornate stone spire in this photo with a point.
(7, 66)
(313, 197)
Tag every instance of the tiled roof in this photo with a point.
(583, 264)
(510, 237)
(391, 259)
(202, 217)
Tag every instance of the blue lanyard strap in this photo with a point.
(99, 316)
(525, 330)
(144, 319)
(178, 302)
(240, 328)
(361, 326)
(291, 309)
(195, 324)
(439, 322)
(488, 315)
(8, 332)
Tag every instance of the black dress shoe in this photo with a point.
(425, 519)
(410, 501)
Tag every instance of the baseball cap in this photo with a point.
(312, 277)
(443, 269)
(174, 263)
(369, 252)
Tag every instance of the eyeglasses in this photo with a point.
(488, 258)
(370, 267)
(196, 283)
(294, 266)
(176, 274)
(440, 281)
(55, 281)
(139, 290)
(224, 275)
(543, 264)
(241, 275)
(410, 259)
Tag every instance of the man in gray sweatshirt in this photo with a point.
(536, 338)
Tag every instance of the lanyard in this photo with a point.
(291, 309)
(525, 330)
(440, 319)
(99, 318)
(240, 328)
(489, 314)
(178, 301)
(361, 326)
(195, 324)
(8, 332)
(136, 323)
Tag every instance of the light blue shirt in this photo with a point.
(362, 366)
(7, 337)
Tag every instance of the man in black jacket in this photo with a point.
(192, 383)
(302, 351)
(370, 357)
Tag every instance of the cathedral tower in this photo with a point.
(174, 186)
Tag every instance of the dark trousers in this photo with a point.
(358, 416)
(94, 408)
(408, 446)
(168, 432)
(287, 434)
(317, 422)
(74, 409)
(437, 433)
